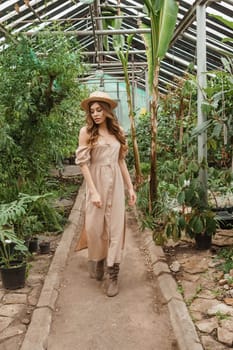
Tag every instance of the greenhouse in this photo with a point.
(116, 174)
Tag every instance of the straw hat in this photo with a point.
(98, 96)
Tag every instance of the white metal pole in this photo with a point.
(201, 79)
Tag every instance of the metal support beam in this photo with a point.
(99, 26)
(94, 31)
(97, 32)
(187, 20)
(112, 53)
(76, 19)
(201, 79)
(117, 64)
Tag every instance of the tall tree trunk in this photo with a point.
(138, 174)
(153, 155)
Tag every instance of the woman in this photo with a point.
(101, 152)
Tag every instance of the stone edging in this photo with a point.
(37, 333)
(182, 324)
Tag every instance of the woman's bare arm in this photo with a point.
(128, 182)
(95, 197)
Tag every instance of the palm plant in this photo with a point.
(123, 55)
(118, 44)
(162, 14)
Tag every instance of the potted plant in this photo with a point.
(195, 218)
(19, 215)
(201, 225)
(28, 228)
(16, 224)
(13, 259)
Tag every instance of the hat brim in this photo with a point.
(85, 103)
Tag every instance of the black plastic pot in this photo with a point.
(33, 245)
(224, 216)
(44, 247)
(203, 241)
(14, 277)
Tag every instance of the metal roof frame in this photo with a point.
(84, 21)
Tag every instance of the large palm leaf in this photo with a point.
(163, 15)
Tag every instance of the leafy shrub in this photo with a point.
(39, 108)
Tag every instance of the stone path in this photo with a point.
(16, 306)
(207, 291)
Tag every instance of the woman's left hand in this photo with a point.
(132, 197)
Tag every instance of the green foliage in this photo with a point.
(108, 23)
(29, 214)
(226, 22)
(51, 219)
(162, 16)
(219, 105)
(227, 255)
(194, 217)
(177, 157)
(143, 141)
(11, 248)
(222, 316)
(220, 181)
(142, 203)
(31, 226)
(11, 212)
(39, 107)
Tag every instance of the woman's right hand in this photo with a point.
(132, 197)
(96, 200)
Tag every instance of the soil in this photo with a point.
(205, 286)
(185, 250)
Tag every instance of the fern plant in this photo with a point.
(11, 212)
(17, 215)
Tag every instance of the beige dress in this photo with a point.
(105, 227)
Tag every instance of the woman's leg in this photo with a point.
(100, 270)
(113, 288)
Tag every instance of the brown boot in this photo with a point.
(100, 270)
(92, 268)
(113, 288)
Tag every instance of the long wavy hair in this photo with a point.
(112, 125)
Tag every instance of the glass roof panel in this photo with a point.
(17, 16)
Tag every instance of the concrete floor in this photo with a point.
(86, 319)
